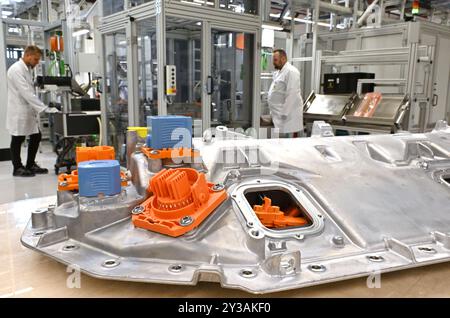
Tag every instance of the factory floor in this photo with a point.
(24, 273)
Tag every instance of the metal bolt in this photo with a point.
(63, 184)
(338, 240)
(176, 268)
(423, 165)
(138, 210)
(109, 263)
(186, 220)
(317, 268)
(218, 187)
(247, 273)
(375, 258)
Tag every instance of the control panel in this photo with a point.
(171, 80)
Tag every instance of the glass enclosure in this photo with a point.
(112, 6)
(183, 49)
(232, 72)
(18, 37)
(147, 70)
(116, 89)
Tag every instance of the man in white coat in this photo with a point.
(22, 112)
(284, 98)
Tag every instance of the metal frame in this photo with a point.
(211, 17)
(4, 139)
(406, 55)
(132, 72)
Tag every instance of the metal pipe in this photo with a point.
(327, 7)
(335, 8)
(366, 13)
(316, 14)
(355, 13)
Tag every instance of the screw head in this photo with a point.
(138, 209)
(218, 187)
(186, 220)
(338, 240)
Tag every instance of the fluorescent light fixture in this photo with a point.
(275, 15)
(6, 13)
(268, 38)
(80, 32)
(274, 27)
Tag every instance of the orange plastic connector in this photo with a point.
(170, 153)
(181, 200)
(271, 216)
(69, 182)
(95, 153)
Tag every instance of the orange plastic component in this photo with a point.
(368, 105)
(95, 153)
(69, 182)
(56, 43)
(271, 216)
(170, 153)
(181, 200)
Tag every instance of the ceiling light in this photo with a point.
(274, 27)
(80, 32)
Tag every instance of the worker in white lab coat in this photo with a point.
(284, 98)
(22, 112)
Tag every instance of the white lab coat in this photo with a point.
(22, 113)
(285, 100)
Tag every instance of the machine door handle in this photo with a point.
(435, 100)
(209, 85)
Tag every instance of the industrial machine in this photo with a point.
(345, 83)
(369, 113)
(259, 215)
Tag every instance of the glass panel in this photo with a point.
(18, 37)
(135, 3)
(240, 6)
(112, 6)
(147, 70)
(116, 89)
(232, 72)
(183, 49)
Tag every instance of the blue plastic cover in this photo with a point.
(99, 176)
(169, 132)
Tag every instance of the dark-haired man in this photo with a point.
(284, 98)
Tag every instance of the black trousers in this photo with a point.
(33, 146)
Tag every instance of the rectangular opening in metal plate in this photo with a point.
(277, 209)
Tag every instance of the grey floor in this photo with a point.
(19, 188)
